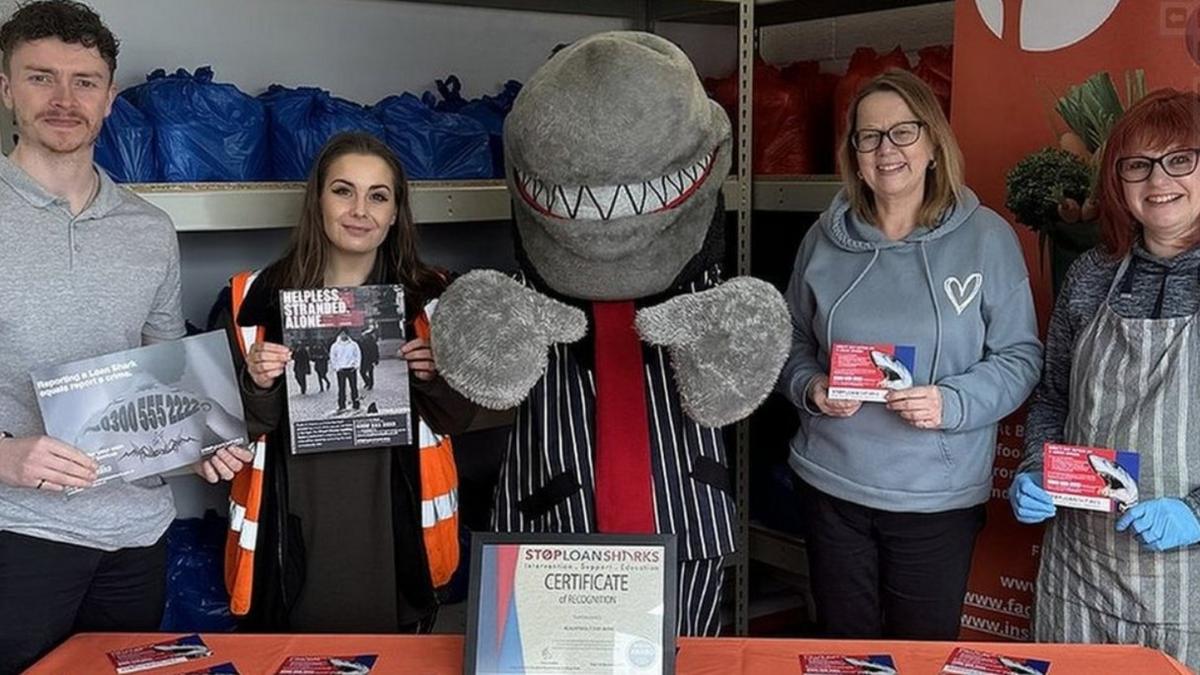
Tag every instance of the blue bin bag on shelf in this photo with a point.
(125, 146)
(433, 145)
(489, 111)
(204, 131)
(302, 119)
(197, 601)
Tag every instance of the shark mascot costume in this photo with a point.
(620, 347)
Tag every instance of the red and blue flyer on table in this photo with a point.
(1095, 479)
(965, 661)
(359, 664)
(159, 654)
(847, 664)
(226, 668)
(867, 372)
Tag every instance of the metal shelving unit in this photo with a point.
(201, 207)
(198, 207)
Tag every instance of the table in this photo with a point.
(442, 654)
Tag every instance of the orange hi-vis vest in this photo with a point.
(439, 487)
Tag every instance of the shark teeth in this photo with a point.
(606, 202)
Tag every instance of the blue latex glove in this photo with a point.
(1162, 524)
(1030, 503)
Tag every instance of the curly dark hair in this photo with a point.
(69, 21)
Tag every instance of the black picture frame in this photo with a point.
(666, 542)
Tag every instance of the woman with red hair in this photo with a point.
(1122, 371)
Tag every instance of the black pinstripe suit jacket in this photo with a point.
(547, 478)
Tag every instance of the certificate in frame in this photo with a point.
(571, 603)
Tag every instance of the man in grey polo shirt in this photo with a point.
(86, 268)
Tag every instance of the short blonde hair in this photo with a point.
(942, 184)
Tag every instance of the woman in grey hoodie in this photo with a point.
(892, 493)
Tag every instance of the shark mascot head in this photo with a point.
(616, 157)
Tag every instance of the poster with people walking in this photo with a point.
(347, 385)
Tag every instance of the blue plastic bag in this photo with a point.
(303, 119)
(489, 111)
(203, 131)
(452, 99)
(434, 145)
(125, 147)
(197, 601)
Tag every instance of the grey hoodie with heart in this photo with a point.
(960, 294)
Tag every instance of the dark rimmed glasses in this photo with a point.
(901, 134)
(1175, 164)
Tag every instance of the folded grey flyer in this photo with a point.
(145, 411)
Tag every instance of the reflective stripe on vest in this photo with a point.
(246, 489)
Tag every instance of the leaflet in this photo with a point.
(964, 661)
(867, 372)
(159, 654)
(848, 664)
(359, 664)
(1095, 479)
(347, 385)
(146, 411)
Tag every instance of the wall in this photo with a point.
(360, 49)
(834, 39)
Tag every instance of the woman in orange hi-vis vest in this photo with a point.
(355, 540)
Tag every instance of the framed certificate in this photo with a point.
(571, 603)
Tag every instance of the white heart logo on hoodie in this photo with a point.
(962, 293)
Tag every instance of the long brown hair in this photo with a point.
(1162, 119)
(942, 185)
(303, 263)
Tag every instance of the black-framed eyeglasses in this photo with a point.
(901, 134)
(1175, 164)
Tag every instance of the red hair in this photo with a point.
(1164, 119)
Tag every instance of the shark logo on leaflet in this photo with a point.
(1047, 25)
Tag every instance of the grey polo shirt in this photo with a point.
(73, 287)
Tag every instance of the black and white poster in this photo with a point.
(145, 411)
(347, 385)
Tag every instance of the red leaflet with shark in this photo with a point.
(867, 372)
(359, 664)
(159, 654)
(847, 664)
(965, 661)
(1096, 479)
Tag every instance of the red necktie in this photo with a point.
(624, 487)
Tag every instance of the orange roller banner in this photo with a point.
(1012, 60)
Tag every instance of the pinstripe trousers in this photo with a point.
(699, 600)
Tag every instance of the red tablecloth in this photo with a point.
(443, 654)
